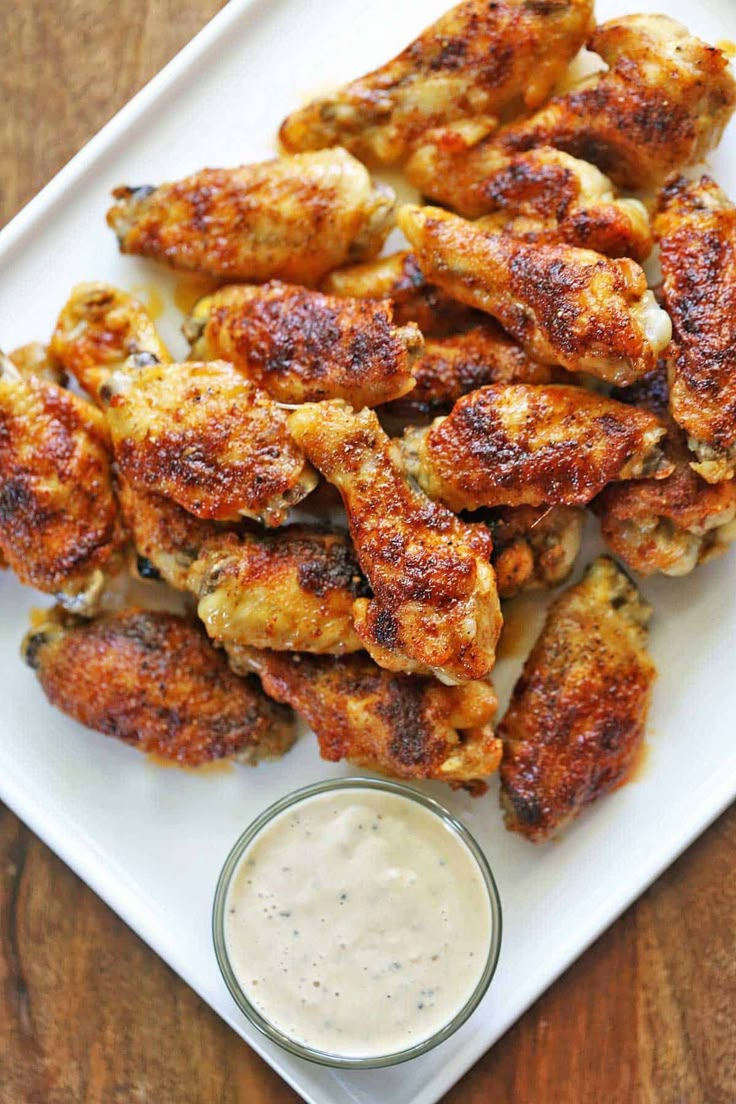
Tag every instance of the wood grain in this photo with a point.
(90, 1015)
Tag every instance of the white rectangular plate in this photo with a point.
(151, 841)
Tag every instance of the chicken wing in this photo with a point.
(294, 219)
(303, 346)
(533, 546)
(399, 278)
(404, 726)
(696, 226)
(291, 590)
(153, 680)
(545, 195)
(662, 104)
(38, 360)
(519, 444)
(673, 524)
(577, 714)
(477, 59)
(434, 607)
(564, 305)
(59, 523)
(98, 329)
(206, 437)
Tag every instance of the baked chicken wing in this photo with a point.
(206, 437)
(477, 59)
(696, 226)
(289, 590)
(434, 607)
(534, 547)
(577, 714)
(293, 219)
(662, 104)
(565, 305)
(404, 726)
(98, 329)
(529, 445)
(304, 346)
(38, 360)
(153, 680)
(59, 523)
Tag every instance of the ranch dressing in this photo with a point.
(357, 923)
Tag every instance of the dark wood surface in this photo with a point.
(88, 1013)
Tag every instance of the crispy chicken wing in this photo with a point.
(304, 346)
(477, 59)
(577, 714)
(405, 726)
(434, 606)
(206, 437)
(38, 360)
(662, 104)
(153, 680)
(59, 523)
(520, 444)
(544, 195)
(291, 590)
(533, 546)
(98, 329)
(673, 524)
(294, 219)
(696, 225)
(565, 305)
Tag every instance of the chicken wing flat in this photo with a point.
(477, 59)
(696, 225)
(304, 346)
(534, 547)
(59, 522)
(544, 195)
(37, 360)
(98, 329)
(292, 219)
(153, 680)
(673, 524)
(565, 305)
(577, 713)
(206, 437)
(404, 726)
(400, 279)
(290, 590)
(662, 104)
(530, 445)
(434, 607)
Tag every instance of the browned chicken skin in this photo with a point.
(529, 445)
(662, 104)
(565, 305)
(479, 58)
(577, 714)
(206, 437)
(696, 227)
(533, 546)
(404, 726)
(153, 680)
(434, 607)
(293, 219)
(304, 346)
(59, 523)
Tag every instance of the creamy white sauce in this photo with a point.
(357, 923)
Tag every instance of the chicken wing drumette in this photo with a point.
(59, 525)
(696, 226)
(153, 680)
(533, 547)
(577, 714)
(206, 437)
(304, 346)
(521, 444)
(565, 305)
(477, 59)
(294, 219)
(434, 606)
(404, 726)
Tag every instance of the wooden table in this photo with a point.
(88, 1013)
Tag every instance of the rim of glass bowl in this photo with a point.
(312, 1054)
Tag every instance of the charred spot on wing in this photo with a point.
(386, 629)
